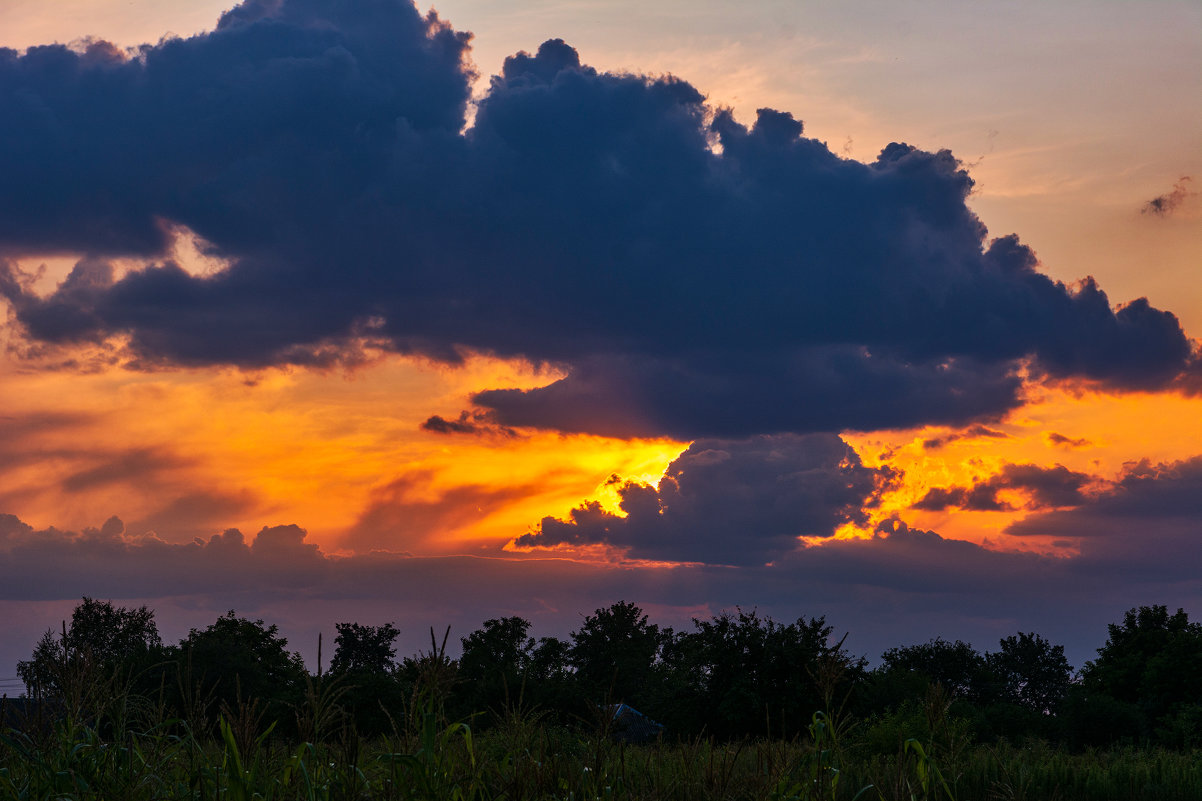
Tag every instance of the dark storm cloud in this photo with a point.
(732, 394)
(1044, 487)
(1166, 204)
(693, 276)
(736, 502)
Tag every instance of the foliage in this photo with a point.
(1148, 668)
(495, 662)
(363, 672)
(115, 641)
(742, 675)
(614, 654)
(237, 661)
(1031, 672)
(364, 649)
(753, 709)
(955, 665)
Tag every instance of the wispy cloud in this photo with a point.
(1166, 204)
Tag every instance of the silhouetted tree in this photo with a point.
(364, 649)
(1148, 674)
(109, 642)
(614, 654)
(1031, 672)
(495, 662)
(956, 666)
(551, 682)
(243, 661)
(741, 675)
(365, 665)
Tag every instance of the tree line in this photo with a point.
(736, 675)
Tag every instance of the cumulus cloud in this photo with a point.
(1144, 526)
(1146, 491)
(901, 586)
(693, 276)
(110, 561)
(1042, 487)
(735, 502)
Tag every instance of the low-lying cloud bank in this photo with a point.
(695, 277)
(900, 585)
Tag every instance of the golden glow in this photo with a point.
(303, 447)
(1085, 431)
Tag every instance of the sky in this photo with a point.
(355, 311)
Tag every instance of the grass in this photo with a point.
(130, 751)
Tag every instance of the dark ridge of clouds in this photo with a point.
(733, 502)
(1144, 527)
(1061, 441)
(902, 586)
(972, 432)
(474, 423)
(110, 561)
(1045, 487)
(1145, 495)
(587, 220)
(1164, 205)
(729, 394)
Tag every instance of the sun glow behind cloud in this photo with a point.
(1089, 432)
(246, 449)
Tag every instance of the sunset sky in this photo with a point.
(329, 310)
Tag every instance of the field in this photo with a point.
(129, 751)
(744, 708)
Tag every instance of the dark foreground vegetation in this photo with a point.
(750, 709)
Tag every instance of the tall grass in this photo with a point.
(105, 742)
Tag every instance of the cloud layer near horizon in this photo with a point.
(694, 277)
(1137, 540)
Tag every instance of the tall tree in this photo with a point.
(1031, 672)
(495, 663)
(614, 653)
(366, 666)
(1149, 664)
(106, 640)
(742, 675)
(362, 649)
(245, 661)
(957, 666)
